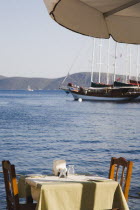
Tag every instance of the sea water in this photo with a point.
(41, 126)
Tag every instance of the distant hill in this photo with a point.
(1, 77)
(22, 83)
(80, 79)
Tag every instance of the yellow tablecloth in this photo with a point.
(82, 196)
(90, 195)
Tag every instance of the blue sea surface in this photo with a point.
(40, 126)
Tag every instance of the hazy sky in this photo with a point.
(33, 45)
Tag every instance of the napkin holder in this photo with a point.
(58, 166)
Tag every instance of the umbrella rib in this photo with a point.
(122, 7)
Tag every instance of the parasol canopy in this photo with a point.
(99, 18)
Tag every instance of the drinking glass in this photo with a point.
(71, 170)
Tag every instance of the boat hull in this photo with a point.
(97, 98)
(105, 96)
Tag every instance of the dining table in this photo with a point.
(74, 192)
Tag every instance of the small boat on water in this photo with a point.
(29, 88)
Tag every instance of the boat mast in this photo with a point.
(126, 61)
(129, 63)
(78, 55)
(115, 61)
(92, 63)
(108, 62)
(64, 80)
(138, 65)
(100, 61)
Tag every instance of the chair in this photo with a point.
(125, 176)
(12, 188)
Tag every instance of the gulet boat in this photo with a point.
(105, 93)
(118, 91)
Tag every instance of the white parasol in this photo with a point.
(99, 18)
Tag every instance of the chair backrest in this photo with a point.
(10, 185)
(124, 176)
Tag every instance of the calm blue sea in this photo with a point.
(40, 126)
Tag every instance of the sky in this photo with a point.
(33, 45)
